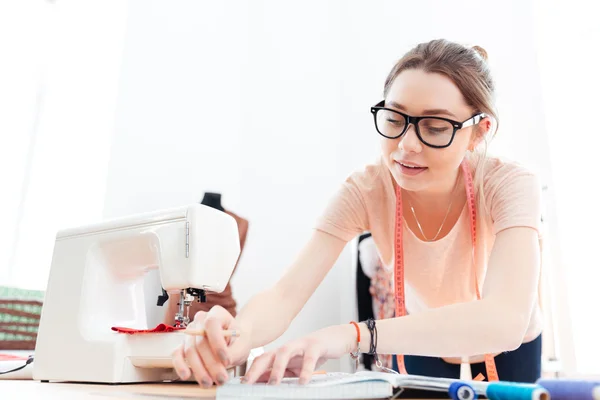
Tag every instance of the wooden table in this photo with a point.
(34, 390)
(161, 391)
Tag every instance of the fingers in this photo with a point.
(182, 369)
(213, 325)
(297, 359)
(311, 357)
(212, 349)
(281, 361)
(215, 368)
(195, 363)
(238, 350)
(206, 357)
(199, 318)
(259, 366)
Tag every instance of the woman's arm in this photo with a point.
(494, 324)
(267, 315)
(262, 320)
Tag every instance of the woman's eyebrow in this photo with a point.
(433, 111)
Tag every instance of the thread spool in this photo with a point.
(571, 389)
(515, 391)
(461, 391)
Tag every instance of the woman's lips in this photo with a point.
(410, 169)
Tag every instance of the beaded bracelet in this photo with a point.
(373, 331)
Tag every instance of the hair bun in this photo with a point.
(481, 51)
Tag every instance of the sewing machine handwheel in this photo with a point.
(461, 391)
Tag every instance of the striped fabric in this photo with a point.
(20, 311)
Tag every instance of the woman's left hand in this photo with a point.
(300, 358)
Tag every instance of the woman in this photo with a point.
(460, 229)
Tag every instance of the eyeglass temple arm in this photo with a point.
(474, 120)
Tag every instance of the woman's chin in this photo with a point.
(409, 183)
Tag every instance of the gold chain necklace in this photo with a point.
(443, 221)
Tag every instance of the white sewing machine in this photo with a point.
(96, 282)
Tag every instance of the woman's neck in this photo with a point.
(437, 197)
(431, 214)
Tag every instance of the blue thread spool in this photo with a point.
(569, 389)
(461, 391)
(515, 391)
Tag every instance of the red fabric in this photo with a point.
(159, 328)
(12, 357)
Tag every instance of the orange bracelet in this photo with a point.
(357, 330)
(355, 355)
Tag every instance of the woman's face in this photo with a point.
(418, 93)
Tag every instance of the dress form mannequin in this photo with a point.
(224, 299)
(213, 200)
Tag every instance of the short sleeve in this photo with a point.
(514, 199)
(345, 215)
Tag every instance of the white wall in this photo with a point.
(211, 100)
(19, 102)
(568, 66)
(268, 103)
(58, 90)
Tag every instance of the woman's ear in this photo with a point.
(479, 132)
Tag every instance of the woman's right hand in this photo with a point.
(208, 358)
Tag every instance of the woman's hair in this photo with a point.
(467, 68)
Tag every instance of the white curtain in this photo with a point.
(568, 39)
(58, 93)
(23, 25)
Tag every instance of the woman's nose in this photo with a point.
(410, 141)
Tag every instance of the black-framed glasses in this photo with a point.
(436, 132)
